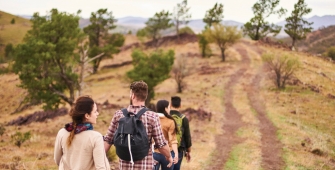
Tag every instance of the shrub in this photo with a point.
(19, 138)
(111, 154)
(186, 30)
(12, 21)
(2, 129)
(282, 66)
(331, 52)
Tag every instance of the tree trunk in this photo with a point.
(223, 55)
(293, 44)
(177, 30)
(180, 88)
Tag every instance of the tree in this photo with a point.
(282, 66)
(152, 68)
(181, 15)
(257, 27)
(223, 36)
(100, 41)
(214, 15)
(181, 70)
(158, 22)
(296, 27)
(45, 59)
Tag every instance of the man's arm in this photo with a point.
(108, 138)
(187, 139)
(165, 150)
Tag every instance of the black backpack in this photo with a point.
(131, 139)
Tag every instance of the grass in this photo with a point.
(313, 119)
(12, 33)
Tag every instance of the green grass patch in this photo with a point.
(233, 161)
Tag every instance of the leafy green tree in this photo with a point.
(181, 15)
(257, 27)
(152, 68)
(214, 15)
(19, 138)
(100, 40)
(160, 21)
(296, 27)
(45, 59)
(223, 36)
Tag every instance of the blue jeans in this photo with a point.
(162, 162)
(180, 157)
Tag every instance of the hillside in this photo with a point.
(12, 33)
(252, 125)
(316, 42)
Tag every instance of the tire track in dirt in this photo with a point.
(271, 147)
(233, 121)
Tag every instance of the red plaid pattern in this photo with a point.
(152, 124)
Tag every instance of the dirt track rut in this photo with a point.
(270, 146)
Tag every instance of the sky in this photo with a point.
(238, 10)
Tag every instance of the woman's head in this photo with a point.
(84, 110)
(163, 106)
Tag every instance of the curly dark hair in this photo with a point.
(140, 90)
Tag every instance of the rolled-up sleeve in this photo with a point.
(112, 127)
(157, 133)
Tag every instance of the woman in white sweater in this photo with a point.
(77, 145)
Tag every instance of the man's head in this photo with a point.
(138, 91)
(175, 102)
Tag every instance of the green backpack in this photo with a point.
(179, 121)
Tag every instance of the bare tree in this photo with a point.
(84, 60)
(181, 70)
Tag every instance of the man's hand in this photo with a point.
(188, 156)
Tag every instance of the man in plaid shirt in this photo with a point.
(138, 95)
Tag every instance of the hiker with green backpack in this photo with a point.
(184, 134)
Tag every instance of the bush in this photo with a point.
(12, 21)
(331, 52)
(9, 50)
(186, 30)
(111, 154)
(19, 138)
(282, 66)
(2, 129)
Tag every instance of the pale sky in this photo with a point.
(238, 10)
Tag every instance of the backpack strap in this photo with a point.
(141, 112)
(125, 112)
(182, 116)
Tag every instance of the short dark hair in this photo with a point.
(140, 90)
(175, 101)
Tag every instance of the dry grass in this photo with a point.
(313, 118)
(312, 124)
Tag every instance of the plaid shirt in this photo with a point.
(152, 124)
